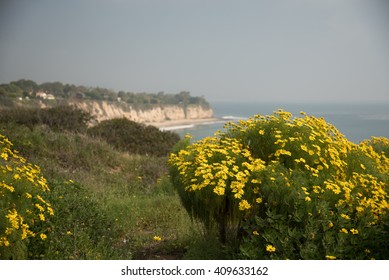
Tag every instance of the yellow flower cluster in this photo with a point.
(313, 145)
(21, 204)
(380, 159)
(305, 154)
(221, 164)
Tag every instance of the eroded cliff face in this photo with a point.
(104, 110)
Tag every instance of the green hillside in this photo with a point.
(109, 203)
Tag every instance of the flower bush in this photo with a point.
(284, 187)
(22, 206)
(211, 176)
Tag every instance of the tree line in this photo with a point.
(28, 89)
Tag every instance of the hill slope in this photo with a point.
(105, 201)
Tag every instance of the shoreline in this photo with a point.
(184, 123)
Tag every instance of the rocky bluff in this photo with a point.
(104, 110)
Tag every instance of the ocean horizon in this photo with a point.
(357, 121)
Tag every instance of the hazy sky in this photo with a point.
(271, 50)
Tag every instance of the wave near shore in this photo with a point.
(190, 123)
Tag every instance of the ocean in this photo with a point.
(357, 121)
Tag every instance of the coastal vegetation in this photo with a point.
(278, 187)
(135, 138)
(271, 187)
(60, 118)
(54, 93)
(103, 199)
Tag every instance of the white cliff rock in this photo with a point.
(104, 110)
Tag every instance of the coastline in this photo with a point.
(184, 123)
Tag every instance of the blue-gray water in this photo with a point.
(356, 121)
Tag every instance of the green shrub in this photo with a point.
(135, 138)
(26, 116)
(288, 188)
(66, 117)
(60, 118)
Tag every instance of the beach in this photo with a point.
(184, 123)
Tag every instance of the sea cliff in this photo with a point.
(104, 110)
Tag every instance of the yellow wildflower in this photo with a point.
(300, 160)
(330, 257)
(354, 231)
(10, 188)
(13, 218)
(219, 190)
(39, 207)
(4, 242)
(282, 152)
(344, 216)
(243, 205)
(157, 238)
(4, 156)
(8, 231)
(25, 231)
(43, 236)
(255, 232)
(270, 248)
(50, 210)
(344, 230)
(41, 217)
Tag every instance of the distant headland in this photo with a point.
(159, 109)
